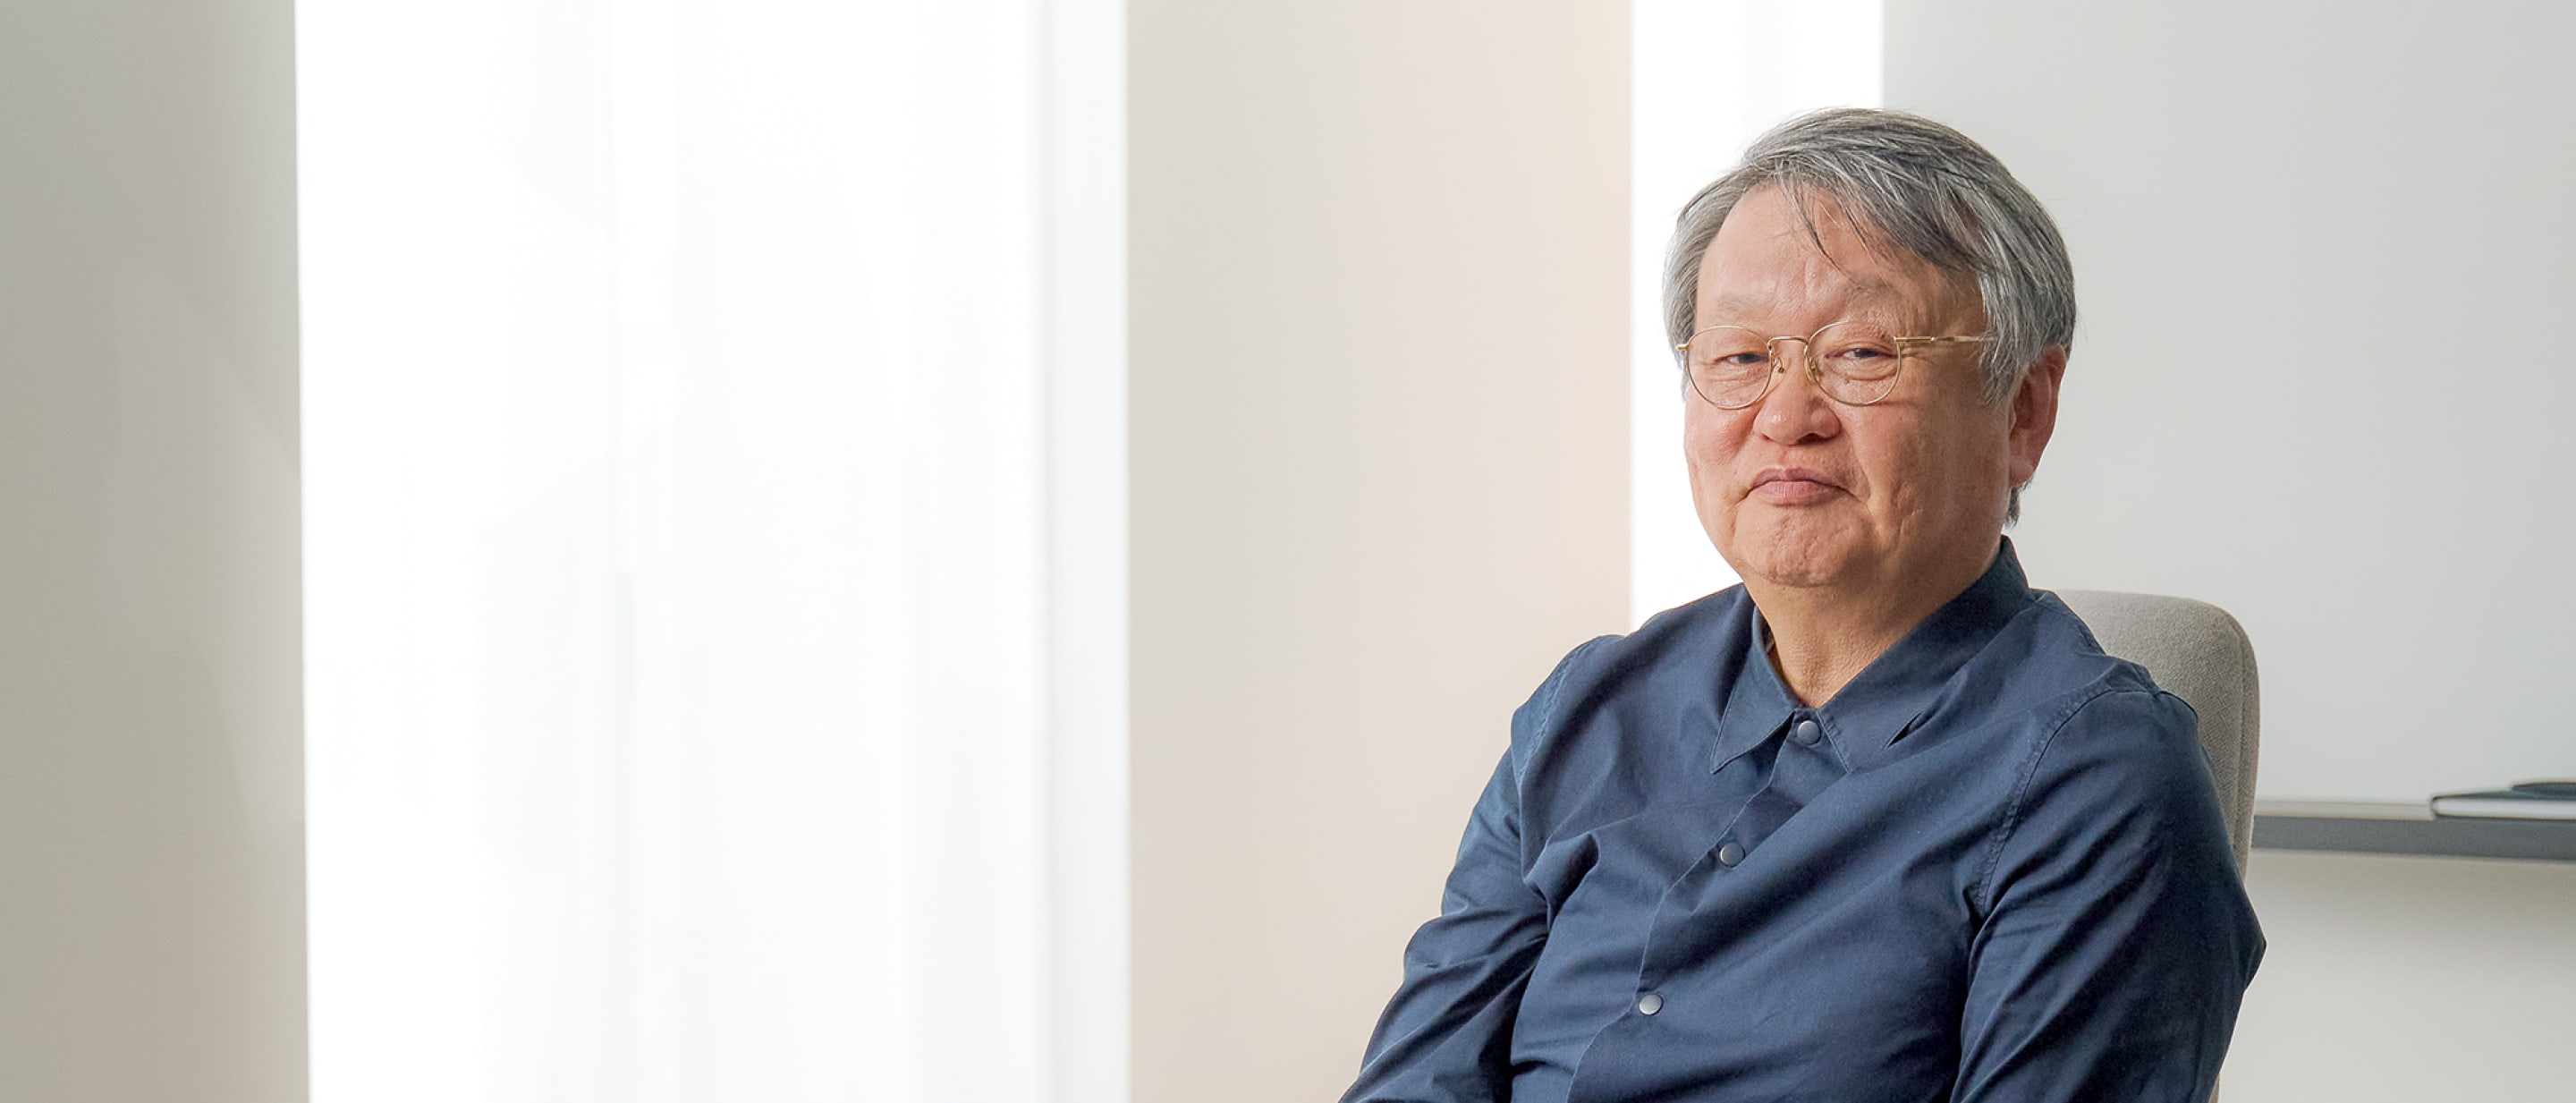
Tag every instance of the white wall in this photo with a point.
(2403, 979)
(2302, 233)
(2321, 254)
(151, 786)
(1379, 354)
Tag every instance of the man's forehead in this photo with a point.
(1865, 292)
(1893, 301)
(1770, 253)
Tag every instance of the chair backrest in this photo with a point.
(2195, 651)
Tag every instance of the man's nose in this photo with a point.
(1795, 409)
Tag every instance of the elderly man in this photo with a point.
(1882, 823)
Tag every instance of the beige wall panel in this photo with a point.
(151, 780)
(1378, 391)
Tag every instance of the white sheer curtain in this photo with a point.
(706, 627)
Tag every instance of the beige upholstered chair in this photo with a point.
(2196, 652)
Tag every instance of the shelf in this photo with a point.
(2379, 827)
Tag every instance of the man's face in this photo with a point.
(1797, 490)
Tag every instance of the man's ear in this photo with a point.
(2034, 412)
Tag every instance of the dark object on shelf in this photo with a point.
(2402, 828)
(2531, 800)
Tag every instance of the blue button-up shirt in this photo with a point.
(1991, 868)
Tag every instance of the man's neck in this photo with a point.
(1823, 637)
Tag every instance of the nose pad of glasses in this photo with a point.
(1804, 360)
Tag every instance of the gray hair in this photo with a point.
(1920, 186)
(1923, 187)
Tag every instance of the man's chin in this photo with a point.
(1798, 569)
(1788, 552)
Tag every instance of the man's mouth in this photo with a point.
(1789, 486)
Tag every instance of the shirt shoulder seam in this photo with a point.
(1982, 888)
(1543, 718)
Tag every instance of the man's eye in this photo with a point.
(1741, 360)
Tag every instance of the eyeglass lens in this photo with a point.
(1853, 362)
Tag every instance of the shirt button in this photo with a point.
(1806, 733)
(1729, 854)
(1649, 1003)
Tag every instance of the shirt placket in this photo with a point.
(1799, 763)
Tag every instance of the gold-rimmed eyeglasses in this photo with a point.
(1853, 362)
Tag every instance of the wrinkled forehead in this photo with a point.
(1783, 257)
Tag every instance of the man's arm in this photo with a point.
(1446, 1036)
(2117, 941)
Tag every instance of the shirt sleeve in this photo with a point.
(1446, 1036)
(2116, 941)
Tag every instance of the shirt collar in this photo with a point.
(1880, 705)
